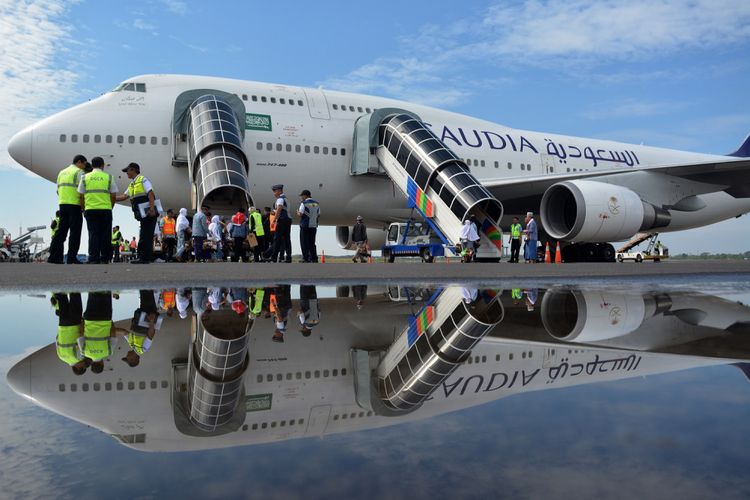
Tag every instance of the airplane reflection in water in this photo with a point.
(225, 371)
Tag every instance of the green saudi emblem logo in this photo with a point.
(257, 122)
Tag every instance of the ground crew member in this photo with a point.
(282, 243)
(142, 328)
(69, 329)
(55, 224)
(169, 233)
(99, 332)
(116, 242)
(257, 227)
(515, 240)
(70, 213)
(140, 191)
(98, 190)
(309, 311)
(309, 211)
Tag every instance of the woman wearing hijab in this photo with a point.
(215, 234)
(183, 226)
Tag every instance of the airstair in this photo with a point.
(435, 181)
(635, 241)
(398, 379)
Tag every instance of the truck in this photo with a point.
(412, 239)
(654, 251)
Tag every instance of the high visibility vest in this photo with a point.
(515, 231)
(516, 294)
(258, 223)
(169, 225)
(135, 341)
(273, 304)
(67, 185)
(135, 188)
(67, 345)
(169, 297)
(96, 186)
(57, 226)
(96, 339)
(116, 237)
(272, 222)
(133, 245)
(258, 304)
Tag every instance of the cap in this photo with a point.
(359, 217)
(277, 187)
(305, 192)
(529, 214)
(132, 165)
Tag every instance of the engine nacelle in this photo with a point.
(375, 237)
(595, 212)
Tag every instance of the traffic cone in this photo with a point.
(323, 257)
(558, 254)
(369, 259)
(547, 257)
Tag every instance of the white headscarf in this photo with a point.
(182, 221)
(215, 228)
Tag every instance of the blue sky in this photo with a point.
(665, 73)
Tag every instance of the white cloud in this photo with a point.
(175, 6)
(31, 82)
(142, 25)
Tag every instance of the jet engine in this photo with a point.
(594, 212)
(376, 238)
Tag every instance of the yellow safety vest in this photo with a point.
(516, 294)
(67, 185)
(96, 186)
(57, 226)
(515, 231)
(135, 340)
(116, 237)
(96, 339)
(258, 305)
(135, 188)
(67, 347)
(258, 223)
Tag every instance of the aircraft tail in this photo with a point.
(744, 149)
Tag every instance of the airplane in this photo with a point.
(225, 142)
(379, 365)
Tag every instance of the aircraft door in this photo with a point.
(317, 103)
(318, 420)
(548, 164)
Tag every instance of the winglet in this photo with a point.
(744, 368)
(744, 150)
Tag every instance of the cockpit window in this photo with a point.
(130, 87)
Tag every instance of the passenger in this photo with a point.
(359, 239)
(532, 237)
(116, 243)
(143, 328)
(71, 218)
(359, 292)
(282, 244)
(239, 233)
(182, 301)
(531, 297)
(98, 190)
(169, 233)
(69, 328)
(200, 233)
(258, 231)
(216, 237)
(308, 212)
(140, 192)
(469, 239)
(183, 230)
(515, 240)
(281, 304)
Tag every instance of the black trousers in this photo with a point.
(98, 306)
(238, 252)
(71, 219)
(259, 250)
(169, 243)
(116, 252)
(307, 242)
(282, 243)
(515, 247)
(70, 309)
(146, 239)
(99, 224)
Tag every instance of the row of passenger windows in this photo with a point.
(358, 109)
(298, 376)
(274, 424)
(299, 148)
(119, 386)
(273, 100)
(120, 139)
(353, 415)
(481, 163)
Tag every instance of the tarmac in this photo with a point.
(121, 276)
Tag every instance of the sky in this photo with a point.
(670, 73)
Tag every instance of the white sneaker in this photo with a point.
(160, 261)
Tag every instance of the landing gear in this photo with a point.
(588, 252)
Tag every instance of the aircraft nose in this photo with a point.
(19, 146)
(19, 378)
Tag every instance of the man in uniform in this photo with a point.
(116, 242)
(98, 190)
(143, 327)
(309, 211)
(515, 240)
(282, 243)
(140, 191)
(99, 331)
(70, 213)
(70, 327)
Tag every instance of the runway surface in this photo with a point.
(17, 276)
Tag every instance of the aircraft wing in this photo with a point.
(519, 194)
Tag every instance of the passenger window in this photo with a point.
(278, 146)
(307, 149)
(325, 150)
(288, 148)
(481, 163)
(497, 165)
(334, 151)
(254, 98)
(131, 139)
(269, 146)
(154, 141)
(291, 102)
(108, 139)
(62, 138)
(282, 101)
(74, 138)
(510, 165)
(367, 110)
(299, 102)
(140, 87)
(351, 108)
(164, 141)
(316, 150)
(297, 148)
(273, 100)
(120, 139)
(335, 106)
(263, 98)
(343, 151)
(85, 137)
(244, 97)
(359, 108)
(97, 138)
(142, 139)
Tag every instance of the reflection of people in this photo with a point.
(359, 292)
(469, 295)
(98, 340)
(309, 311)
(531, 296)
(359, 238)
(69, 328)
(143, 327)
(281, 303)
(532, 236)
